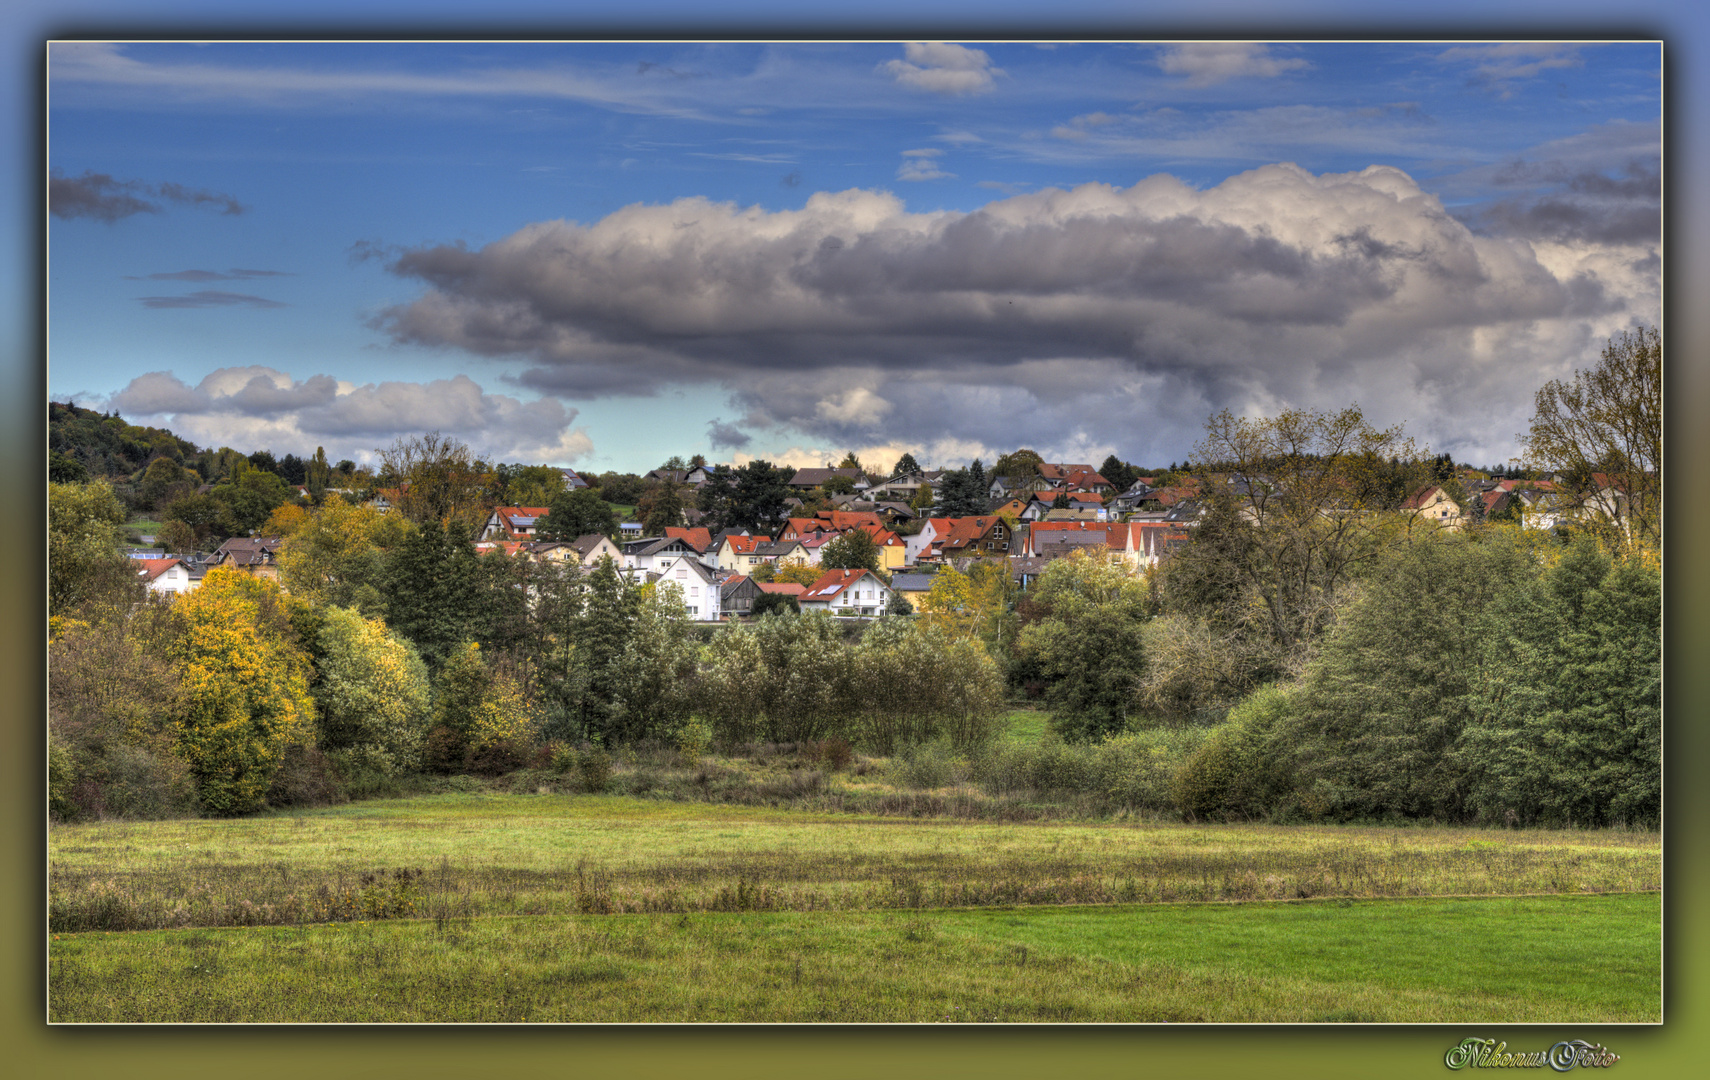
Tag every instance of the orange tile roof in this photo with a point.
(698, 538)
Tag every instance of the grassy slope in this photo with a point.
(1585, 959)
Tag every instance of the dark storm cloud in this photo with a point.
(852, 318)
(103, 198)
(725, 436)
(207, 298)
(1567, 203)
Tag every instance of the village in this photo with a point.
(1030, 520)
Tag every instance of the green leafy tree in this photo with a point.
(602, 634)
(203, 514)
(481, 719)
(1089, 646)
(248, 499)
(770, 603)
(651, 681)
(752, 497)
(1567, 726)
(854, 550)
(572, 514)
(373, 691)
(429, 585)
(1020, 463)
(318, 475)
(84, 564)
(661, 508)
(905, 464)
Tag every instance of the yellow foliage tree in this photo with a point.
(245, 685)
(285, 520)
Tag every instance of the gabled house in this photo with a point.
(171, 576)
(847, 592)
(253, 555)
(514, 523)
(697, 538)
(657, 554)
(740, 592)
(698, 590)
(741, 554)
(989, 536)
(1433, 504)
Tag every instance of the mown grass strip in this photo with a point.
(1509, 960)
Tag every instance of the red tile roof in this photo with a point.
(698, 538)
(832, 583)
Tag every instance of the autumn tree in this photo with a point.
(245, 681)
(439, 480)
(797, 573)
(336, 557)
(1608, 421)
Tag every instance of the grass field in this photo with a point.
(1585, 959)
(559, 907)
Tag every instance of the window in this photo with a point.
(682, 574)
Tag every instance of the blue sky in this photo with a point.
(602, 255)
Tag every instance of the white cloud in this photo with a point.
(1061, 317)
(262, 407)
(921, 165)
(1207, 63)
(942, 68)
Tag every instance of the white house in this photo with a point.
(847, 592)
(166, 575)
(698, 590)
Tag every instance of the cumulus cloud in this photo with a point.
(261, 406)
(103, 198)
(1054, 317)
(942, 68)
(1206, 63)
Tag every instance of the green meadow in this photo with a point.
(551, 907)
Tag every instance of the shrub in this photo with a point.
(306, 777)
(924, 766)
(593, 769)
(1236, 772)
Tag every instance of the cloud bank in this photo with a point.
(1098, 317)
(102, 198)
(255, 407)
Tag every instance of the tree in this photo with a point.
(533, 485)
(905, 464)
(1061, 502)
(576, 513)
(661, 508)
(317, 475)
(202, 514)
(1295, 509)
(245, 684)
(771, 603)
(923, 500)
(84, 564)
(429, 584)
(286, 519)
(248, 498)
(752, 497)
(1089, 646)
(1021, 463)
(1608, 421)
(338, 556)
(796, 573)
(163, 481)
(651, 680)
(439, 481)
(372, 689)
(961, 493)
(854, 550)
(850, 461)
(837, 484)
(602, 633)
(481, 720)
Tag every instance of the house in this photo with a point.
(656, 554)
(584, 550)
(253, 555)
(695, 585)
(893, 552)
(847, 592)
(989, 536)
(912, 587)
(513, 523)
(904, 486)
(740, 592)
(798, 527)
(697, 538)
(782, 552)
(170, 576)
(741, 554)
(572, 480)
(667, 476)
(1433, 504)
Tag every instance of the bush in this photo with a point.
(593, 770)
(924, 766)
(445, 750)
(1236, 772)
(496, 758)
(146, 786)
(306, 777)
